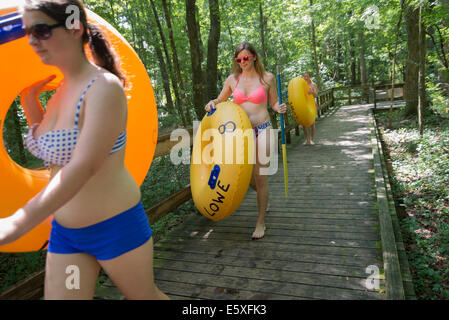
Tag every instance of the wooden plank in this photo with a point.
(165, 145)
(264, 287)
(29, 289)
(217, 268)
(161, 209)
(274, 237)
(318, 266)
(344, 251)
(394, 285)
(270, 253)
(304, 236)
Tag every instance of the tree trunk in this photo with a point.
(195, 58)
(363, 74)
(315, 58)
(262, 34)
(163, 69)
(353, 73)
(180, 99)
(412, 65)
(443, 74)
(422, 65)
(18, 134)
(212, 49)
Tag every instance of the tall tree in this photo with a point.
(412, 64)
(195, 59)
(212, 49)
(262, 23)
(315, 58)
(178, 77)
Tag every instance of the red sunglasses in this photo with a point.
(245, 58)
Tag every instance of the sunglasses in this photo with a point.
(245, 58)
(41, 31)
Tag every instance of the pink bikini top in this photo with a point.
(257, 96)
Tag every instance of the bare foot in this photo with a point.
(305, 142)
(259, 232)
(311, 142)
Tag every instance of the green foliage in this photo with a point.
(15, 267)
(421, 178)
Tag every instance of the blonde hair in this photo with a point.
(258, 65)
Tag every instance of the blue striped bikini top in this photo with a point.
(56, 146)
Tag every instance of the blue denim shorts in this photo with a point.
(104, 240)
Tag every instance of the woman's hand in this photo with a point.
(8, 230)
(210, 105)
(280, 108)
(36, 88)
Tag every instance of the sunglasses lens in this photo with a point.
(40, 31)
(245, 58)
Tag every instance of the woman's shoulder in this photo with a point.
(109, 79)
(231, 79)
(268, 77)
(106, 87)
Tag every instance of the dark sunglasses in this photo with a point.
(245, 58)
(41, 31)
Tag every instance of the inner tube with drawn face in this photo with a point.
(222, 161)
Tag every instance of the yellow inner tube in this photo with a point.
(222, 161)
(301, 102)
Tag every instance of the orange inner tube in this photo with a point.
(21, 67)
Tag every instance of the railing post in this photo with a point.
(374, 97)
(333, 98)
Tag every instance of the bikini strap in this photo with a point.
(78, 107)
(238, 80)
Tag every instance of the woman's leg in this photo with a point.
(306, 135)
(261, 180)
(312, 133)
(132, 273)
(70, 276)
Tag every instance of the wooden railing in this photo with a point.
(32, 287)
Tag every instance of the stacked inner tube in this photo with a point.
(301, 102)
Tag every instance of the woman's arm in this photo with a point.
(314, 90)
(104, 115)
(29, 98)
(223, 96)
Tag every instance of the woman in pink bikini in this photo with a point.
(252, 88)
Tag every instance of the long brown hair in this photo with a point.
(57, 10)
(258, 65)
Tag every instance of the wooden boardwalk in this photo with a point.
(319, 241)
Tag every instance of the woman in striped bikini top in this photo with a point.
(56, 146)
